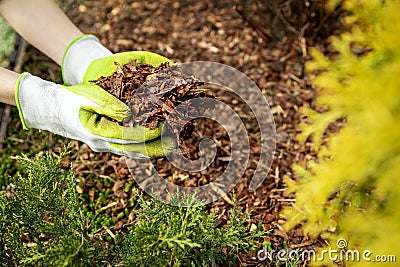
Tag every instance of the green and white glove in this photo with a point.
(86, 113)
(86, 59)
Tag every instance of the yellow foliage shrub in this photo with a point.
(353, 191)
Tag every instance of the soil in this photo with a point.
(265, 41)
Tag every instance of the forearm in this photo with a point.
(42, 23)
(8, 80)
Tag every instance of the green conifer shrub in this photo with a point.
(353, 190)
(174, 235)
(40, 218)
(42, 224)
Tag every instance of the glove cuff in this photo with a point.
(78, 56)
(17, 94)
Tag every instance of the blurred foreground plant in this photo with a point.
(352, 192)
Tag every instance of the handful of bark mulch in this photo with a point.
(152, 93)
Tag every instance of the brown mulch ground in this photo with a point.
(265, 41)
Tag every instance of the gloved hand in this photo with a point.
(86, 60)
(86, 113)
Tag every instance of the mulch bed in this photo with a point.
(229, 32)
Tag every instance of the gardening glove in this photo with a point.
(86, 59)
(87, 113)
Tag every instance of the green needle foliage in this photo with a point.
(40, 219)
(42, 224)
(352, 192)
(173, 235)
